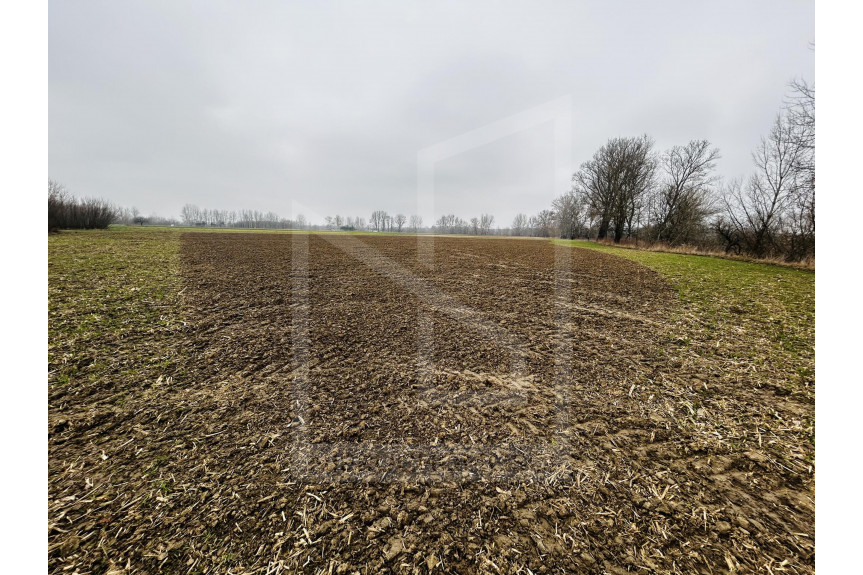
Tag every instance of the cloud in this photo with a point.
(236, 104)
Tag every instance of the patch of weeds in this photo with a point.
(109, 293)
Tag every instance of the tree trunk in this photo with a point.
(603, 229)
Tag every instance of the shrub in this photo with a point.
(67, 212)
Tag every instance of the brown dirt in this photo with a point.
(517, 406)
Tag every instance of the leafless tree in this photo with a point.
(774, 212)
(570, 214)
(445, 224)
(57, 198)
(416, 223)
(519, 225)
(474, 226)
(486, 221)
(759, 210)
(379, 220)
(684, 199)
(451, 224)
(800, 110)
(190, 214)
(400, 220)
(542, 224)
(595, 182)
(637, 168)
(728, 225)
(615, 181)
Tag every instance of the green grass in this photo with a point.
(758, 315)
(109, 294)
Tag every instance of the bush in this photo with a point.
(67, 212)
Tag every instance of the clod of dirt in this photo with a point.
(722, 527)
(394, 546)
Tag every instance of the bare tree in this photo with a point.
(379, 220)
(756, 211)
(728, 224)
(615, 181)
(570, 215)
(596, 182)
(800, 107)
(486, 221)
(190, 214)
(774, 213)
(451, 224)
(416, 223)
(400, 220)
(519, 225)
(542, 224)
(638, 166)
(57, 198)
(684, 199)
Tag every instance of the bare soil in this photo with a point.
(341, 404)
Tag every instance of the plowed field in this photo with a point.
(340, 404)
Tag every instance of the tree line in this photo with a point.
(192, 215)
(65, 211)
(627, 191)
(630, 191)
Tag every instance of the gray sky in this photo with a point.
(236, 105)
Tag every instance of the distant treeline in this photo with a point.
(192, 215)
(627, 191)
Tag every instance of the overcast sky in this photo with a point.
(260, 104)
